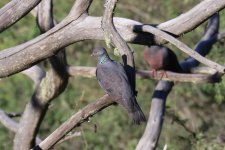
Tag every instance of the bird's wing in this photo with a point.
(109, 79)
(128, 96)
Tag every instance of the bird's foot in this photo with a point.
(153, 73)
(162, 74)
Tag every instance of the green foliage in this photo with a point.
(111, 129)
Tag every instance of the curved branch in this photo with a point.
(15, 10)
(201, 12)
(8, 122)
(35, 73)
(11, 124)
(80, 7)
(111, 34)
(48, 88)
(75, 120)
(183, 47)
(74, 29)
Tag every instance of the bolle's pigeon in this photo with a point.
(162, 58)
(113, 79)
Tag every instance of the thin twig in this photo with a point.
(14, 114)
(69, 136)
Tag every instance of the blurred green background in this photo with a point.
(191, 109)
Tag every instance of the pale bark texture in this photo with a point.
(78, 25)
(49, 87)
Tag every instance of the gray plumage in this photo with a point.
(113, 79)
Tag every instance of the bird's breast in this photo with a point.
(156, 61)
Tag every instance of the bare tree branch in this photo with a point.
(75, 120)
(69, 136)
(204, 70)
(74, 29)
(80, 7)
(11, 124)
(88, 72)
(14, 10)
(151, 135)
(209, 76)
(8, 122)
(184, 23)
(111, 34)
(184, 48)
(35, 73)
(50, 87)
(45, 16)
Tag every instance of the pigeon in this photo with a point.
(112, 77)
(161, 58)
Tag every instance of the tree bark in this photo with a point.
(15, 10)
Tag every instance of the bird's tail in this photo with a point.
(137, 114)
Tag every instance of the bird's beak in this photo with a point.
(92, 55)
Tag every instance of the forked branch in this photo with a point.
(73, 29)
(111, 34)
(49, 87)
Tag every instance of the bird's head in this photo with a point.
(99, 51)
